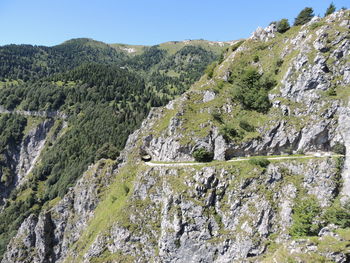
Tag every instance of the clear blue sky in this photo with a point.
(50, 22)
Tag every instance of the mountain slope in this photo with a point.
(173, 46)
(32, 62)
(272, 94)
(75, 103)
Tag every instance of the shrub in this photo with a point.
(216, 115)
(259, 161)
(339, 148)
(338, 215)
(279, 62)
(282, 25)
(256, 59)
(210, 69)
(251, 89)
(228, 131)
(304, 214)
(6, 177)
(304, 16)
(107, 151)
(246, 126)
(203, 155)
(220, 84)
(126, 189)
(222, 57)
(262, 46)
(332, 91)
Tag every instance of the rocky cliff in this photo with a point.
(22, 158)
(53, 231)
(284, 210)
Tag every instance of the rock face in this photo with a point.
(264, 35)
(47, 237)
(22, 158)
(222, 211)
(320, 65)
(212, 214)
(31, 148)
(344, 122)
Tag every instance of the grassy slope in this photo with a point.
(173, 46)
(136, 49)
(196, 112)
(269, 55)
(84, 50)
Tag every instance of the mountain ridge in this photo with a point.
(90, 85)
(255, 211)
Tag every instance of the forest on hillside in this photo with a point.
(105, 95)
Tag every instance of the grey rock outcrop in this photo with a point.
(48, 237)
(309, 75)
(31, 148)
(344, 128)
(264, 34)
(218, 212)
(20, 159)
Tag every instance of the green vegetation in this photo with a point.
(304, 217)
(210, 69)
(332, 91)
(95, 95)
(316, 25)
(203, 155)
(338, 214)
(170, 74)
(251, 89)
(12, 128)
(259, 161)
(172, 47)
(246, 126)
(304, 16)
(330, 10)
(216, 115)
(26, 62)
(339, 148)
(282, 25)
(228, 131)
(11, 133)
(105, 94)
(237, 45)
(115, 209)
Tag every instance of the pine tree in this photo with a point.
(304, 16)
(330, 10)
(282, 25)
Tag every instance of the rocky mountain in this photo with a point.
(283, 94)
(53, 98)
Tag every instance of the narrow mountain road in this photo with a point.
(45, 114)
(241, 159)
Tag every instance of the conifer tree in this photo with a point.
(282, 25)
(304, 16)
(330, 10)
